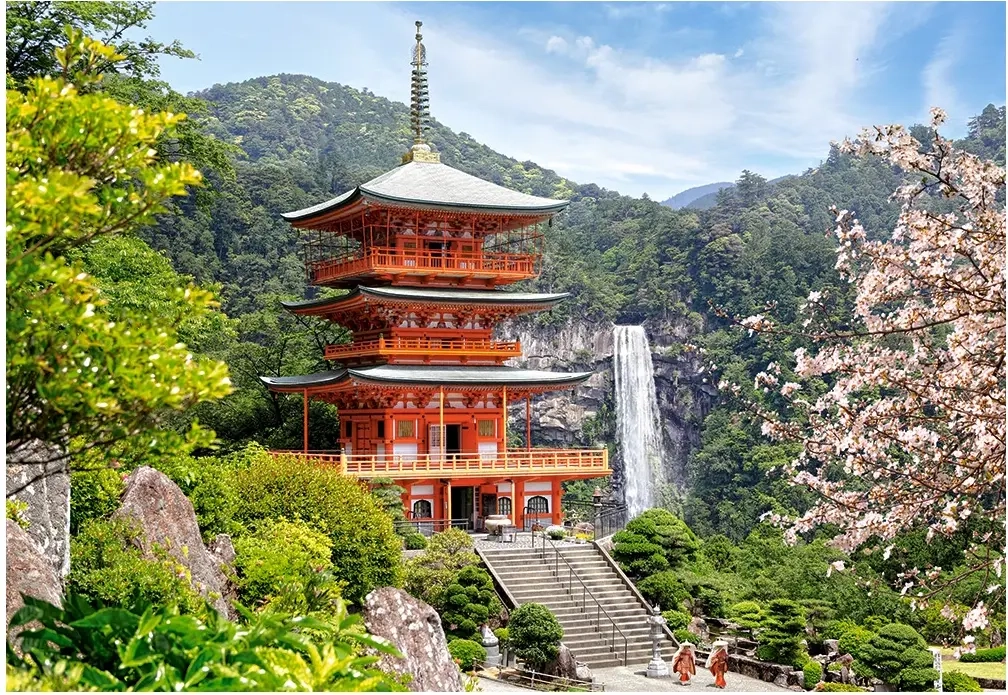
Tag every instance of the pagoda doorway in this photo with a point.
(462, 506)
(453, 439)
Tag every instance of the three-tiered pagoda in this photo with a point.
(422, 389)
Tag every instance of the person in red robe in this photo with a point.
(684, 663)
(717, 662)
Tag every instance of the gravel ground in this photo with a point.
(623, 679)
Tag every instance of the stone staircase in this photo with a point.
(531, 579)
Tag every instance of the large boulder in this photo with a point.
(564, 665)
(166, 520)
(28, 572)
(37, 474)
(414, 628)
(698, 626)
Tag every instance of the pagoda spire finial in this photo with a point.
(419, 105)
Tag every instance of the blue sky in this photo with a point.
(636, 97)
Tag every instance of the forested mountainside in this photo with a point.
(622, 259)
(687, 197)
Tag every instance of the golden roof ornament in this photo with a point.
(419, 106)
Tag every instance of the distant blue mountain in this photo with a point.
(681, 200)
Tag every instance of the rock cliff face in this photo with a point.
(587, 415)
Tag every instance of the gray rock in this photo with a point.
(584, 673)
(415, 630)
(564, 665)
(781, 680)
(698, 626)
(832, 646)
(28, 572)
(166, 520)
(38, 476)
(222, 548)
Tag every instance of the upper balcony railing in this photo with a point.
(426, 349)
(395, 262)
(513, 462)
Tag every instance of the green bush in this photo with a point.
(899, 656)
(16, 510)
(853, 639)
(934, 627)
(781, 633)
(684, 635)
(210, 485)
(556, 534)
(388, 495)
(534, 634)
(812, 674)
(366, 552)
(138, 647)
(984, 656)
(838, 688)
(108, 566)
(501, 634)
(467, 653)
(416, 541)
(704, 595)
(676, 619)
(655, 541)
(94, 494)
(278, 557)
(428, 575)
(721, 553)
(959, 682)
(469, 602)
(747, 614)
(663, 589)
(818, 616)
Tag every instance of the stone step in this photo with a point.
(601, 593)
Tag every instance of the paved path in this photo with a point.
(620, 679)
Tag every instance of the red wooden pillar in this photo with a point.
(556, 488)
(305, 424)
(528, 422)
(518, 501)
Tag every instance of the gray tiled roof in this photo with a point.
(494, 297)
(423, 374)
(436, 185)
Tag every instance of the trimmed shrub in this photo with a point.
(428, 575)
(279, 557)
(782, 630)
(676, 619)
(838, 688)
(747, 614)
(94, 494)
(721, 553)
(388, 495)
(984, 656)
(853, 639)
(899, 656)
(684, 635)
(107, 565)
(501, 634)
(416, 541)
(812, 674)
(534, 634)
(467, 653)
(663, 589)
(818, 615)
(468, 603)
(655, 541)
(959, 682)
(366, 552)
(704, 595)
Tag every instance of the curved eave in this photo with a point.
(466, 376)
(424, 296)
(304, 381)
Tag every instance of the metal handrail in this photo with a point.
(585, 594)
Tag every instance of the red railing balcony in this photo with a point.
(403, 263)
(513, 462)
(426, 349)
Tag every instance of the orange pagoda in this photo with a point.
(423, 388)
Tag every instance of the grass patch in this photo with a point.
(979, 670)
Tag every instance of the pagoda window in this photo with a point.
(405, 429)
(348, 429)
(422, 509)
(504, 505)
(381, 429)
(538, 505)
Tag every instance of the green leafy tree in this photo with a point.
(781, 632)
(534, 634)
(447, 554)
(77, 378)
(654, 541)
(389, 497)
(899, 656)
(470, 601)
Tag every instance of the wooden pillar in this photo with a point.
(528, 422)
(556, 490)
(504, 424)
(514, 507)
(518, 501)
(448, 509)
(304, 426)
(441, 430)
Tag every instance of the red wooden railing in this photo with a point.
(426, 347)
(393, 261)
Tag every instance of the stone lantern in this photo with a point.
(657, 668)
(492, 646)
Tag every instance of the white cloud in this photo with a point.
(938, 79)
(739, 52)
(556, 44)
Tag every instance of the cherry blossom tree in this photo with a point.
(901, 414)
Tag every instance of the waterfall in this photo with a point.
(638, 421)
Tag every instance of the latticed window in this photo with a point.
(538, 505)
(504, 505)
(485, 428)
(422, 509)
(405, 429)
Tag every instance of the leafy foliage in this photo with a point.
(747, 614)
(71, 369)
(958, 682)
(781, 633)
(366, 553)
(811, 674)
(467, 653)
(899, 656)
(279, 556)
(663, 589)
(676, 619)
(994, 654)
(534, 634)
(415, 541)
(469, 602)
(140, 647)
(654, 541)
(428, 576)
(94, 494)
